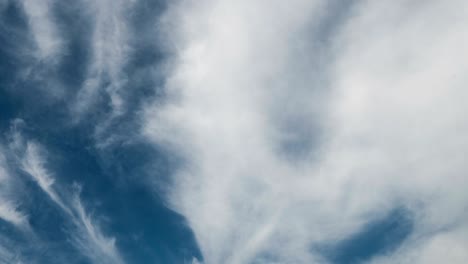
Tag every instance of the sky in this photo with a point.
(233, 131)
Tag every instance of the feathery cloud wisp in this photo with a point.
(8, 209)
(87, 237)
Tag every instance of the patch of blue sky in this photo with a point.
(379, 236)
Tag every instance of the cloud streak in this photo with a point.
(43, 28)
(110, 47)
(86, 236)
(8, 209)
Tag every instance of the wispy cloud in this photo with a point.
(10, 213)
(33, 163)
(91, 240)
(8, 207)
(86, 236)
(110, 48)
(299, 122)
(43, 29)
(374, 111)
(8, 253)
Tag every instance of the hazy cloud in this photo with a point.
(43, 29)
(296, 124)
(110, 49)
(376, 111)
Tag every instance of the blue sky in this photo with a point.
(206, 132)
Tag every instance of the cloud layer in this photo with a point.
(301, 121)
(301, 131)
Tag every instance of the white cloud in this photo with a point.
(33, 163)
(8, 253)
(91, 240)
(378, 108)
(110, 50)
(8, 209)
(10, 213)
(87, 236)
(43, 28)
(445, 246)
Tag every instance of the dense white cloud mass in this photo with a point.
(301, 120)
